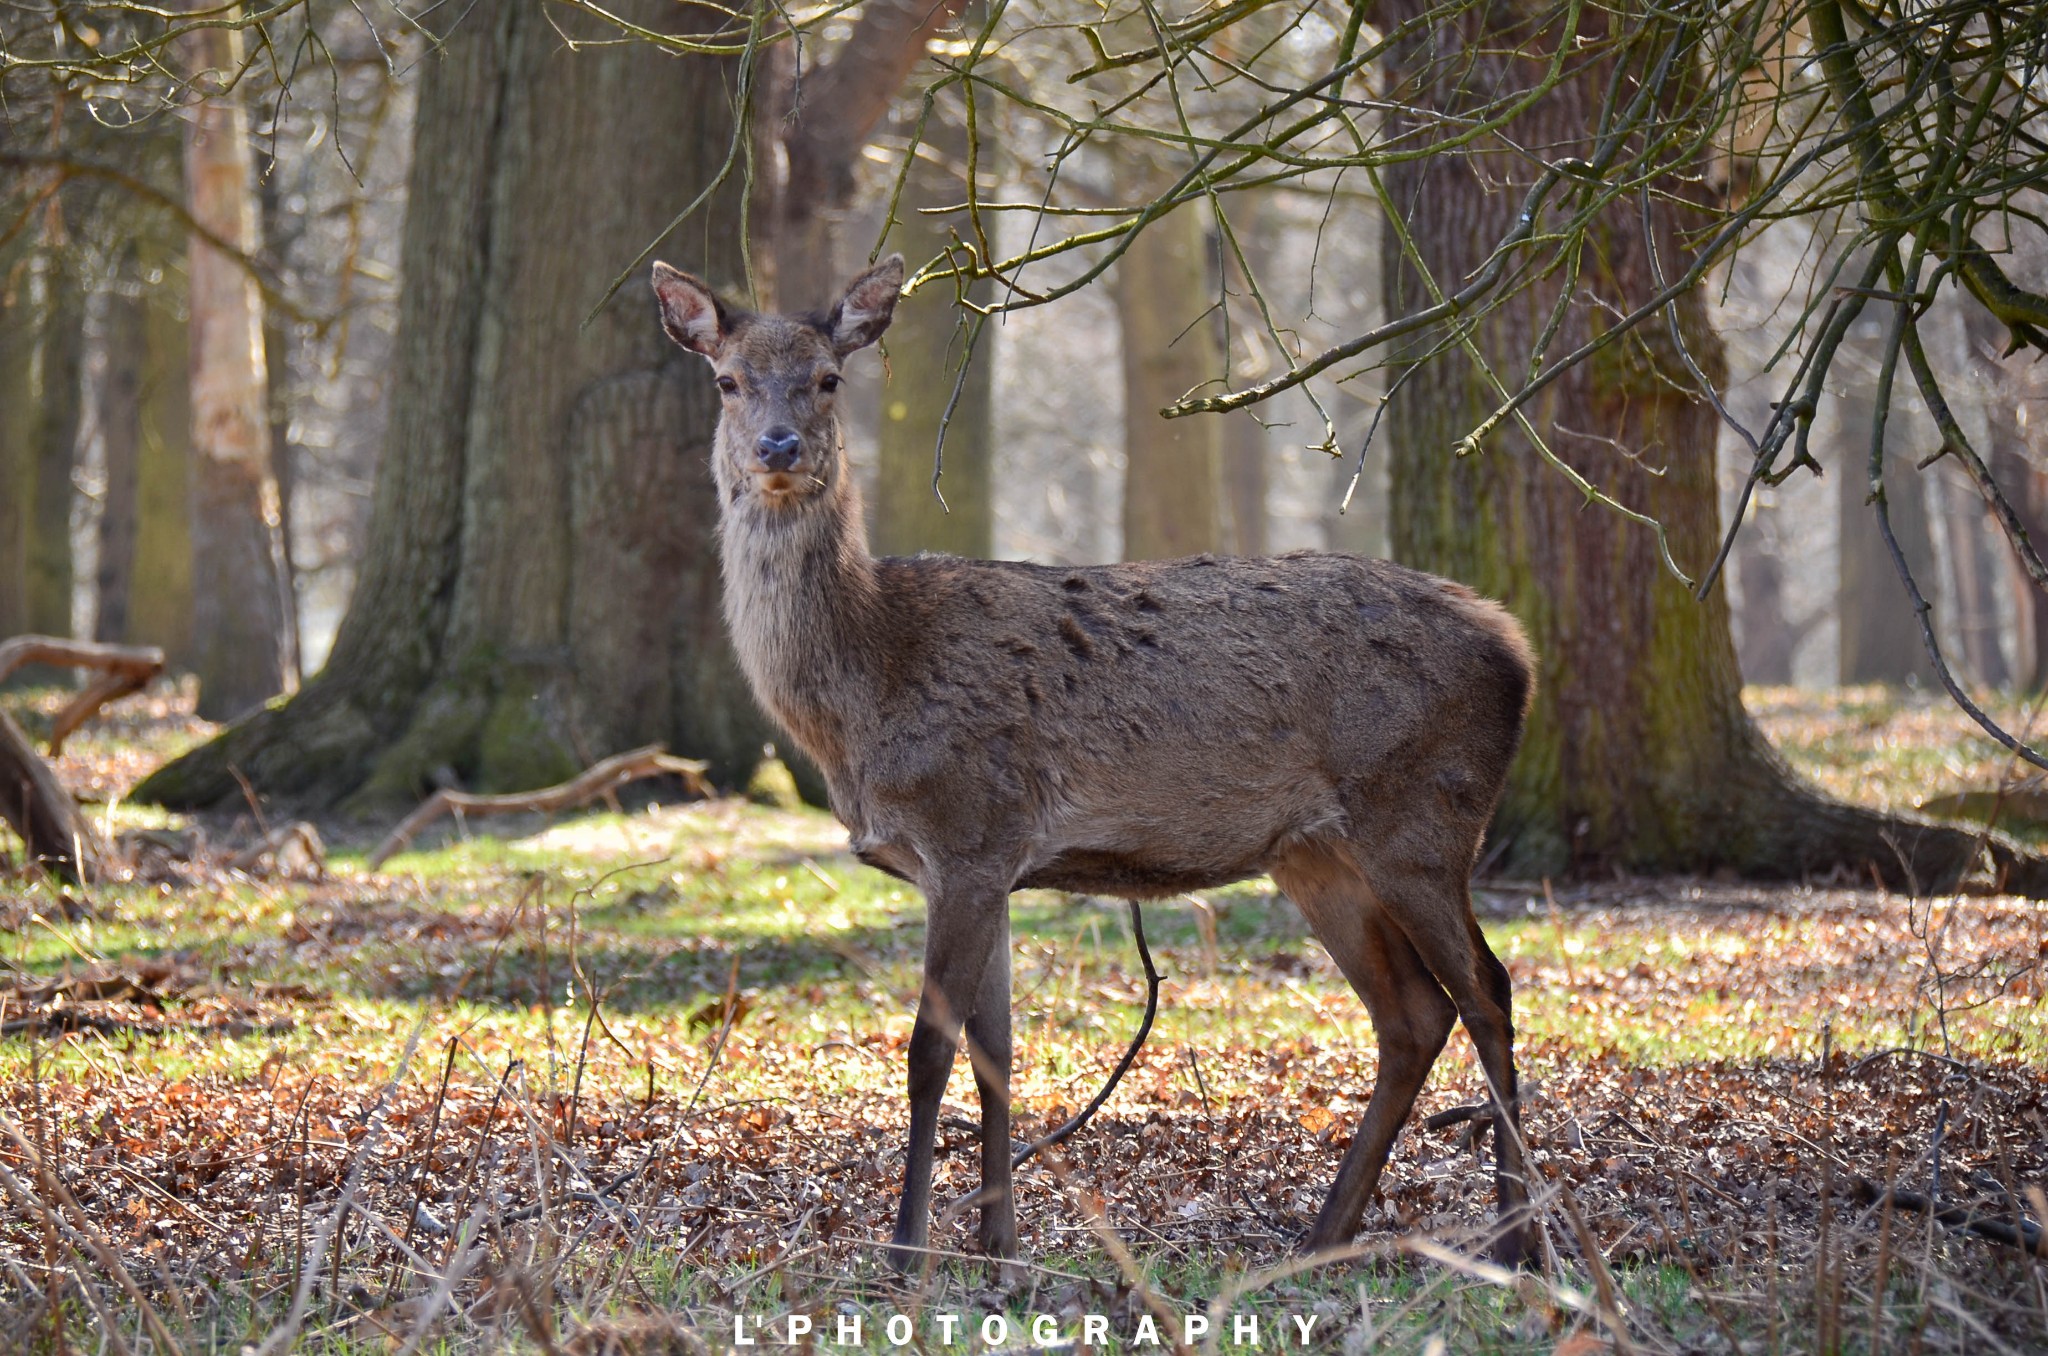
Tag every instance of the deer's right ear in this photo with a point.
(691, 311)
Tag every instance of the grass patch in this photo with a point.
(466, 1046)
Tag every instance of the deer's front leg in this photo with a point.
(988, 1037)
(960, 930)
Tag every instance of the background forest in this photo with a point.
(1704, 336)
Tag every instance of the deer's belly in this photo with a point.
(1128, 876)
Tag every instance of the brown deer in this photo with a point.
(1134, 730)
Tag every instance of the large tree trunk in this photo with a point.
(238, 618)
(58, 395)
(1638, 752)
(1172, 467)
(540, 586)
(927, 343)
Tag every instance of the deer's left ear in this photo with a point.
(691, 312)
(865, 310)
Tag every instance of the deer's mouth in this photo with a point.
(779, 487)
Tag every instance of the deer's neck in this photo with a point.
(800, 599)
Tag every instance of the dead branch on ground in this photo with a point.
(599, 779)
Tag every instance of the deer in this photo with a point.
(1138, 731)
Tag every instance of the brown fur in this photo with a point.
(1134, 730)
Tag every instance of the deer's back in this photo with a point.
(1160, 726)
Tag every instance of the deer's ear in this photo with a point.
(864, 311)
(691, 312)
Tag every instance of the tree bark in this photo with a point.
(1172, 467)
(238, 617)
(1638, 753)
(540, 585)
(926, 344)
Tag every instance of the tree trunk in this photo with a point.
(17, 440)
(146, 537)
(540, 586)
(1880, 636)
(2017, 468)
(1765, 629)
(160, 586)
(926, 344)
(58, 386)
(238, 618)
(120, 421)
(1245, 483)
(1968, 538)
(1172, 467)
(1246, 454)
(1638, 753)
(284, 461)
(277, 398)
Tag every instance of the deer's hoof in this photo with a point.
(1321, 1240)
(1514, 1249)
(904, 1256)
(998, 1238)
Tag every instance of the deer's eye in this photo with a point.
(728, 386)
(829, 382)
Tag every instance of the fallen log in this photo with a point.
(32, 801)
(599, 779)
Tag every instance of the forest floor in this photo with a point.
(619, 1082)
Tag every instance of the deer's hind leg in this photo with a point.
(1430, 900)
(988, 1044)
(1411, 1016)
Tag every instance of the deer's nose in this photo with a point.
(778, 448)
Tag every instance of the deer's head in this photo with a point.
(778, 433)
